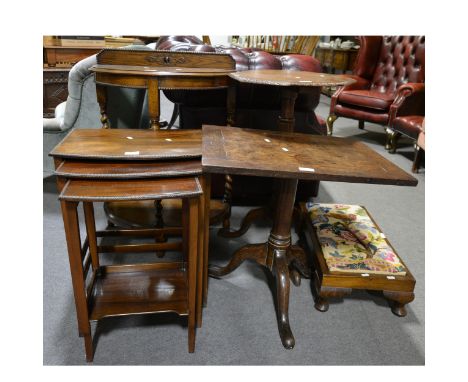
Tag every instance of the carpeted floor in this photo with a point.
(239, 324)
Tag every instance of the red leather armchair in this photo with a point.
(389, 73)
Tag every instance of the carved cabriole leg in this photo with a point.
(252, 215)
(282, 295)
(392, 138)
(398, 300)
(417, 158)
(323, 293)
(256, 252)
(101, 93)
(294, 276)
(361, 125)
(330, 121)
(297, 257)
(72, 234)
(279, 244)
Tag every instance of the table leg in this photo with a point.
(277, 254)
(101, 93)
(227, 198)
(206, 239)
(286, 122)
(153, 104)
(288, 99)
(72, 233)
(193, 205)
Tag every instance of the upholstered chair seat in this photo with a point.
(389, 74)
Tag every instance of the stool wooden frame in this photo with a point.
(398, 290)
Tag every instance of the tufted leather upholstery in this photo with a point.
(410, 125)
(413, 127)
(390, 80)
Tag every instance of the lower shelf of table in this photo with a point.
(138, 214)
(127, 290)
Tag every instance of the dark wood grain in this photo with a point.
(144, 291)
(129, 144)
(246, 152)
(154, 58)
(135, 189)
(290, 78)
(128, 170)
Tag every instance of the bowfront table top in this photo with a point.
(291, 78)
(129, 144)
(233, 150)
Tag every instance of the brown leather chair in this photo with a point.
(389, 73)
(413, 127)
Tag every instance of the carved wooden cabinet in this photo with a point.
(55, 89)
(57, 63)
(336, 58)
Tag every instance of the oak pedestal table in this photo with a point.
(289, 156)
(157, 70)
(125, 164)
(291, 82)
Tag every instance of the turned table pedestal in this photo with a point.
(289, 157)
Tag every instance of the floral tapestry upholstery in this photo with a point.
(351, 242)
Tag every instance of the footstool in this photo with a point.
(349, 251)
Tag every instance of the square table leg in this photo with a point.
(72, 233)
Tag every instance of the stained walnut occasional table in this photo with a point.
(289, 157)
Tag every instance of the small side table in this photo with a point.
(289, 157)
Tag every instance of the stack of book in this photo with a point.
(82, 41)
(116, 42)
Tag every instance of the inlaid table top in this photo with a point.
(232, 150)
(129, 144)
(291, 78)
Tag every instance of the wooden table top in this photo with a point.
(129, 144)
(291, 78)
(134, 189)
(232, 150)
